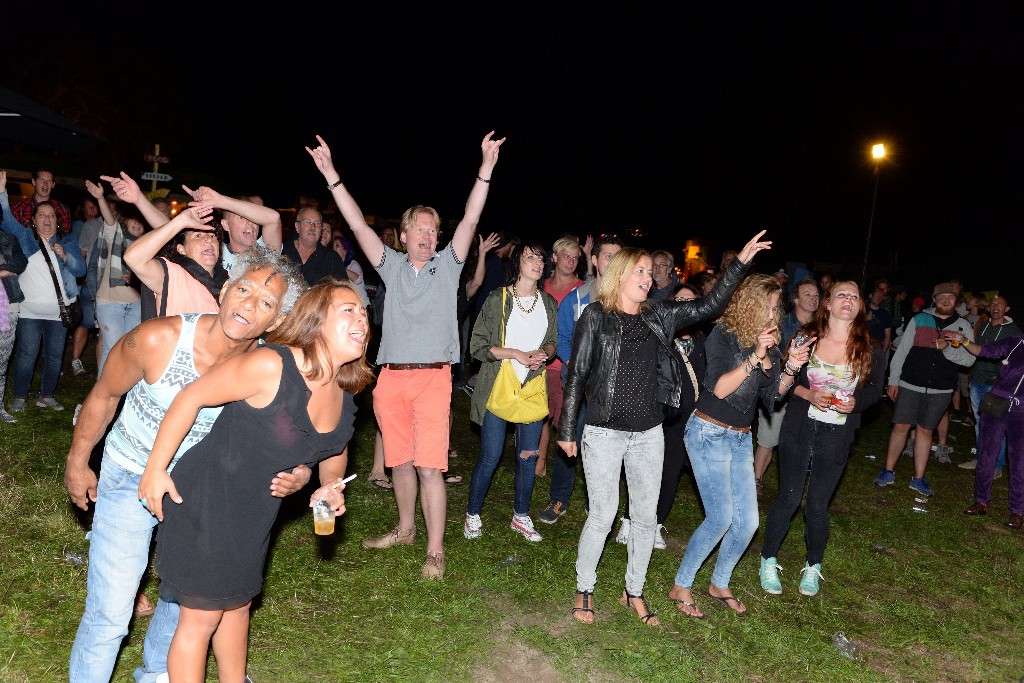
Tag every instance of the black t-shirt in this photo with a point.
(878, 321)
(634, 400)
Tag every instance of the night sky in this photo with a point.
(706, 123)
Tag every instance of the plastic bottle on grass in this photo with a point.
(845, 646)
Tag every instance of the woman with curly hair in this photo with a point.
(744, 364)
(842, 379)
(622, 360)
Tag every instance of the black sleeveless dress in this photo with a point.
(211, 549)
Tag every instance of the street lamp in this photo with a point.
(877, 154)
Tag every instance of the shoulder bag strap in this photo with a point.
(56, 285)
(163, 294)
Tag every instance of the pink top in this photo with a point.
(186, 294)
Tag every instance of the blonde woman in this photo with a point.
(744, 364)
(614, 342)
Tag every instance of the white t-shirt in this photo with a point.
(525, 331)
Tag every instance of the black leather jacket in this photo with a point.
(13, 259)
(597, 340)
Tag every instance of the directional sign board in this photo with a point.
(158, 159)
(161, 177)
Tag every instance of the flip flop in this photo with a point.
(452, 453)
(381, 483)
(453, 479)
(726, 600)
(691, 605)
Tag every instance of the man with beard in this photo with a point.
(922, 377)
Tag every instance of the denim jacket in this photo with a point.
(597, 340)
(72, 267)
(724, 354)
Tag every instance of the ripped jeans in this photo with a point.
(492, 443)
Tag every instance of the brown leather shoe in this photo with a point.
(434, 567)
(1015, 521)
(977, 509)
(397, 536)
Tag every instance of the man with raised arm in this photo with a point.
(420, 341)
(151, 364)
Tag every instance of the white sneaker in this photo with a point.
(77, 367)
(473, 528)
(623, 535)
(659, 539)
(524, 526)
(969, 465)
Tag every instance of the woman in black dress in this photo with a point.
(287, 403)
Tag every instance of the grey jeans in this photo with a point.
(604, 452)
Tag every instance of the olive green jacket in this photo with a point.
(487, 334)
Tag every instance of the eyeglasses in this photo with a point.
(311, 224)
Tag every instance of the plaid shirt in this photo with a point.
(22, 212)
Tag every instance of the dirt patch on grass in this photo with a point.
(513, 660)
(893, 664)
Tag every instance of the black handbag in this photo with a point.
(994, 406)
(70, 314)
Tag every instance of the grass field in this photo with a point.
(928, 596)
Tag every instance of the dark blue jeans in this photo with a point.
(563, 476)
(33, 334)
(492, 443)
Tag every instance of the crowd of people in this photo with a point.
(236, 354)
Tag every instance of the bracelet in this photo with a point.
(754, 354)
(482, 180)
(748, 366)
(788, 373)
(783, 383)
(333, 185)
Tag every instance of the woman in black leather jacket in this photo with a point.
(12, 263)
(613, 344)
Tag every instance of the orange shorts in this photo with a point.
(554, 395)
(412, 409)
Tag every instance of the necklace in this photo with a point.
(526, 311)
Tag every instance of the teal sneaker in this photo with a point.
(809, 582)
(770, 576)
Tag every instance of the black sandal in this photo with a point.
(586, 608)
(625, 602)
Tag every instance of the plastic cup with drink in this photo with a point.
(323, 513)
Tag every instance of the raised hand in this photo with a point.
(322, 158)
(488, 243)
(95, 190)
(197, 215)
(489, 148)
(126, 189)
(798, 355)
(766, 340)
(751, 248)
(588, 246)
(204, 194)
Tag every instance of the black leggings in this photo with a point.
(826, 449)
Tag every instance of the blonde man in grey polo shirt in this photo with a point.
(419, 342)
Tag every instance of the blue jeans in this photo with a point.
(563, 475)
(492, 443)
(32, 335)
(723, 465)
(115, 320)
(605, 451)
(118, 555)
(977, 391)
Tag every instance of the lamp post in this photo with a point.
(877, 154)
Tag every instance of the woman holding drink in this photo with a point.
(288, 402)
(842, 379)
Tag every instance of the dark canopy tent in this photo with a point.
(26, 122)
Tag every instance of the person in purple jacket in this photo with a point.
(992, 429)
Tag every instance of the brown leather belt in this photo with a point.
(713, 421)
(415, 366)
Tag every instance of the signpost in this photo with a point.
(156, 176)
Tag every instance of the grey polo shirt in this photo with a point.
(420, 317)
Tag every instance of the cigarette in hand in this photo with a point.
(343, 481)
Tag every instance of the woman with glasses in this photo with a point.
(842, 379)
(744, 365)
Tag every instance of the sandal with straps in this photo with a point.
(587, 608)
(625, 601)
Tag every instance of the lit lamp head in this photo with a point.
(878, 151)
